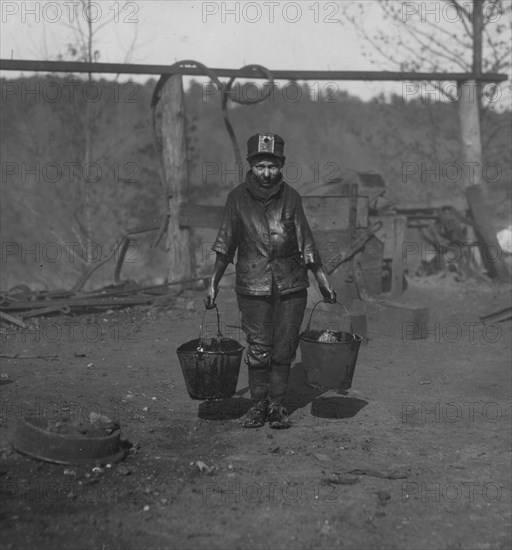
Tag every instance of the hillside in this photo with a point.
(56, 200)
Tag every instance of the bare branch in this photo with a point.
(460, 9)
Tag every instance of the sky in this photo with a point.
(229, 34)
(278, 35)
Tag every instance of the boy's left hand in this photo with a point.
(329, 294)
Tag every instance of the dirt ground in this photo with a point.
(416, 455)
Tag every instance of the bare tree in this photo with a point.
(85, 48)
(442, 36)
(446, 36)
(450, 35)
(70, 138)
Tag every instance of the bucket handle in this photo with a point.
(219, 333)
(314, 307)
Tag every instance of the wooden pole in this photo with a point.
(469, 116)
(397, 265)
(470, 131)
(174, 143)
(491, 252)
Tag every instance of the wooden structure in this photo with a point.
(333, 221)
(364, 270)
(182, 215)
(392, 235)
(469, 119)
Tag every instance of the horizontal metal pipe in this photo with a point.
(128, 68)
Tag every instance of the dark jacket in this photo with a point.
(272, 239)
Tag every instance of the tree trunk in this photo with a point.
(174, 142)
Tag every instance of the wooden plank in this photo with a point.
(174, 153)
(81, 303)
(327, 212)
(12, 319)
(457, 201)
(386, 233)
(352, 219)
(337, 189)
(498, 316)
(362, 212)
(397, 265)
(189, 69)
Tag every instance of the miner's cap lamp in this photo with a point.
(265, 144)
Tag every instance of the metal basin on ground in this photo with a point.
(66, 442)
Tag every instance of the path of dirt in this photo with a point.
(416, 455)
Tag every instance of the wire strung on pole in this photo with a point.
(226, 93)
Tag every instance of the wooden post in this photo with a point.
(397, 265)
(174, 143)
(492, 255)
(469, 116)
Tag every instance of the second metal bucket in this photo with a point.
(329, 365)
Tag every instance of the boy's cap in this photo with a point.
(265, 144)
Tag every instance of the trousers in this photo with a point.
(271, 325)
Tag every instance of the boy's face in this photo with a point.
(266, 170)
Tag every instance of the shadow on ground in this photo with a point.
(224, 409)
(337, 407)
(300, 395)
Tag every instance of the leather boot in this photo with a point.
(278, 416)
(256, 416)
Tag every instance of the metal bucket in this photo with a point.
(329, 365)
(211, 374)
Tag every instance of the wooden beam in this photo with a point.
(386, 232)
(329, 212)
(174, 142)
(498, 316)
(397, 265)
(129, 68)
(352, 217)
